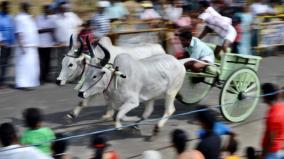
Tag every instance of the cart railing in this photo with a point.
(231, 62)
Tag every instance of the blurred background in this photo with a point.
(259, 23)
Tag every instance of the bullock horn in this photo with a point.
(71, 42)
(105, 60)
(79, 52)
(90, 47)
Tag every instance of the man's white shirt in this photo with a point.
(66, 25)
(220, 24)
(27, 28)
(45, 22)
(19, 152)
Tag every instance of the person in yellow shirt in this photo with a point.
(231, 149)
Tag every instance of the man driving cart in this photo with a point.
(199, 53)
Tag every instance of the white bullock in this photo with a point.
(72, 64)
(146, 80)
(75, 66)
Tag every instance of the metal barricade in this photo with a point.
(268, 32)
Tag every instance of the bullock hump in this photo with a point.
(105, 41)
(160, 62)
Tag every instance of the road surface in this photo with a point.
(57, 101)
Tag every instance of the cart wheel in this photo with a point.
(239, 95)
(194, 89)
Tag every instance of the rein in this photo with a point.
(99, 67)
(94, 83)
(111, 78)
(84, 67)
(71, 56)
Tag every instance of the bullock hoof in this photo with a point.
(69, 118)
(140, 121)
(82, 104)
(135, 127)
(118, 126)
(135, 130)
(149, 138)
(119, 129)
(156, 130)
(131, 118)
(107, 117)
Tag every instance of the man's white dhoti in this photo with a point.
(27, 60)
(27, 67)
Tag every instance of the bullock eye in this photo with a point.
(94, 76)
(70, 65)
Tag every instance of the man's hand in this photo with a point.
(189, 64)
(196, 66)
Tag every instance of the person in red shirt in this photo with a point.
(99, 143)
(86, 32)
(273, 139)
(237, 25)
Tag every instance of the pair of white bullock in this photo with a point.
(127, 76)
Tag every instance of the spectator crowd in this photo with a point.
(31, 38)
(43, 143)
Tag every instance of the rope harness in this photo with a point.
(114, 72)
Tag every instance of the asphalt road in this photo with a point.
(57, 101)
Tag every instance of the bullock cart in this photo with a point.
(236, 76)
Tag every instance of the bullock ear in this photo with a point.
(71, 42)
(105, 60)
(90, 47)
(79, 52)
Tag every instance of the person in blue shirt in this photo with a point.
(116, 10)
(219, 128)
(7, 32)
(201, 54)
(210, 142)
(100, 22)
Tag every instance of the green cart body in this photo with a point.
(237, 78)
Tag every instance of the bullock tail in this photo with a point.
(211, 68)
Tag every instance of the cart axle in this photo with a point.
(241, 96)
